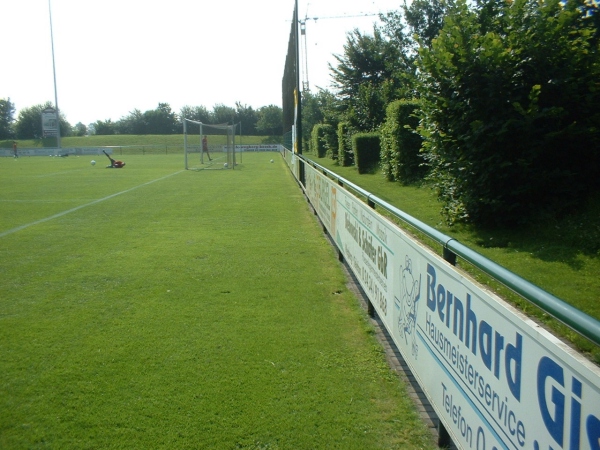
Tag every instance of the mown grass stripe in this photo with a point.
(77, 208)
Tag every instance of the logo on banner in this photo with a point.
(410, 293)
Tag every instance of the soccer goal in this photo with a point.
(208, 146)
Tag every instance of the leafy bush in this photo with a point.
(316, 145)
(511, 95)
(344, 137)
(330, 141)
(324, 141)
(366, 149)
(401, 158)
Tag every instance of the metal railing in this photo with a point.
(575, 319)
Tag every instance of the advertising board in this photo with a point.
(495, 378)
(49, 123)
(258, 148)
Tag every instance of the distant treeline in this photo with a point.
(162, 120)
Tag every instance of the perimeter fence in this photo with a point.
(97, 150)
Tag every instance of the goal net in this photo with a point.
(208, 146)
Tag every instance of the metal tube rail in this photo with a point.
(575, 319)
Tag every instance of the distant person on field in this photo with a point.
(114, 164)
(15, 153)
(205, 147)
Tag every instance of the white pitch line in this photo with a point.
(77, 208)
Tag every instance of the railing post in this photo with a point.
(449, 256)
(370, 202)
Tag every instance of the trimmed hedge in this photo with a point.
(401, 158)
(366, 149)
(324, 141)
(344, 136)
(511, 115)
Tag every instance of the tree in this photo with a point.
(405, 38)
(323, 107)
(161, 120)
(366, 59)
(367, 111)
(223, 114)
(134, 123)
(29, 122)
(270, 120)
(312, 114)
(79, 129)
(366, 78)
(425, 19)
(7, 111)
(104, 127)
(248, 117)
(197, 113)
(66, 129)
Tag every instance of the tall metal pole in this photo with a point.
(298, 105)
(54, 72)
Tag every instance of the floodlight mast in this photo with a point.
(54, 72)
(305, 86)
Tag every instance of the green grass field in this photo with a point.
(151, 307)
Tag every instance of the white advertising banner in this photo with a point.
(49, 122)
(292, 162)
(495, 378)
(258, 148)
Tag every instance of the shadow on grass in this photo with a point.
(551, 239)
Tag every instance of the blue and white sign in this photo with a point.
(496, 379)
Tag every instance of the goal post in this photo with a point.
(208, 146)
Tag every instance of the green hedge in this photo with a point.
(324, 141)
(344, 137)
(511, 115)
(366, 149)
(401, 158)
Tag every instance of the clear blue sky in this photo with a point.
(114, 56)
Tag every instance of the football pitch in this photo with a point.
(153, 307)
